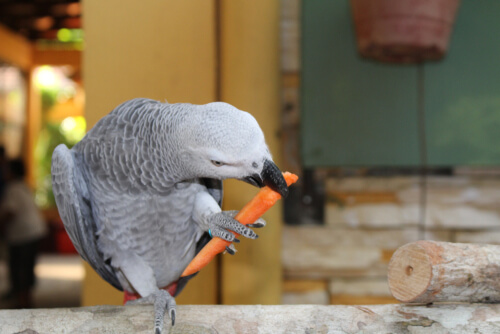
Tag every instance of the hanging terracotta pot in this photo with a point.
(403, 31)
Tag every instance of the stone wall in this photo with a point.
(345, 260)
(368, 218)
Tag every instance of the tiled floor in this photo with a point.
(59, 281)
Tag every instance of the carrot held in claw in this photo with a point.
(252, 211)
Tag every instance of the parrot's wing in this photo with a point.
(214, 188)
(72, 199)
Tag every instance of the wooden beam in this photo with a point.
(279, 319)
(15, 49)
(33, 126)
(346, 299)
(57, 58)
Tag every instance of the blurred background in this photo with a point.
(393, 143)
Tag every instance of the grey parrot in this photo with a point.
(140, 194)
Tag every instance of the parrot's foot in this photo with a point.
(219, 224)
(163, 302)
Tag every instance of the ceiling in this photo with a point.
(40, 19)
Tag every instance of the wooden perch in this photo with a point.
(250, 319)
(432, 271)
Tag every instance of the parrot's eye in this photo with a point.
(217, 163)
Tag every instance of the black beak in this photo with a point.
(270, 176)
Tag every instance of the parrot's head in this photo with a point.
(224, 142)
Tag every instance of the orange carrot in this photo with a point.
(262, 202)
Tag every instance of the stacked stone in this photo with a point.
(368, 218)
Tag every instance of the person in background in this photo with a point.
(23, 228)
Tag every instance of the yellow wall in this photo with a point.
(157, 49)
(167, 50)
(250, 81)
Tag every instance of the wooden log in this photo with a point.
(250, 319)
(432, 271)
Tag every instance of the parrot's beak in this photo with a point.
(270, 176)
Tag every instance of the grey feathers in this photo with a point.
(140, 193)
(126, 192)
(72, 200)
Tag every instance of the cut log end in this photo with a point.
(432, 271)
(410, 272)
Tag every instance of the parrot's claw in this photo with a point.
(231, 250)
(258, 223)
(162, 302)
(172, 315)
(220, 224)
